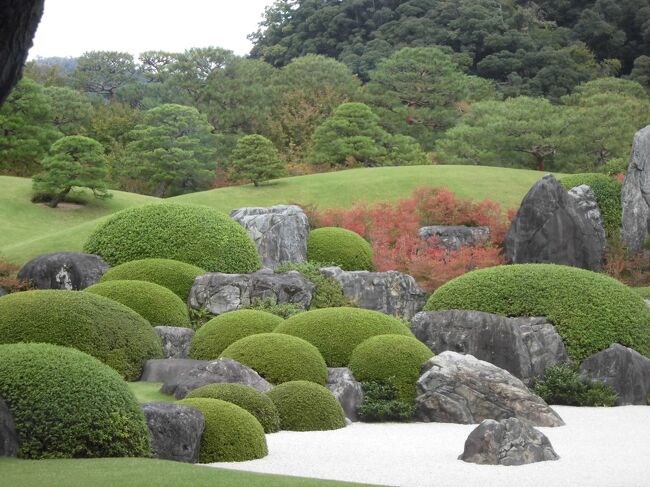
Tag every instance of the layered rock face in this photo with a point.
(635, 197)
(453, 237)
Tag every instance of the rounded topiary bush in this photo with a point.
(305, 406)
(589, 310)
(176, 276)
(231, 433)
(99, 326)
(155, 303)
(67, 404)
(341, 247)
(337, 331)
(224, 330)
(391, 357)
(279, 358)
(193, 234)
(252, 400)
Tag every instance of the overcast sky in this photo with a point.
(71, 27)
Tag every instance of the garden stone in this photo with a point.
(389, 292)
(525, 347)
(2, 292)
(623, 369)
(346, 389)
(279, 232)
(507, 442)
(168, 369)
(550, 227)
(8, 435)
(635, 196)
(453, 237)
(71, 271)
(220, 293)
(175, 431)
(175, 340)
(455, 388)
(585, 198)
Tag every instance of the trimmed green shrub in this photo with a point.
(279, 358)
(305, 406)
(380, 403)
(67, 404)
(231, 433)
(336, 332)
(222, 331)
(193, 234)
(395, 357)
(99, 326)
(644, 292)
(156, 304)
(327, 294)
(271, 305)
(176, 276)
(562, 385)
(589, 310)
(252, 400)
(343, 248)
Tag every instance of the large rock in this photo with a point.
(71, 271)
(525, 347)
(507, 442)
(8, 435)
(585, 198)
(624, 369)
(389, 292)
(220, 293)
(168, 369)
(279, 232)
(635, 197)
(175, 431)
(550, 227)
(453, 237)
(223, 370)
(175, 340)
(455, 388)
(346, 389)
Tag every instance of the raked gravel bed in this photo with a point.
(597, 447)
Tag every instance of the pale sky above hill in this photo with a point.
(71, 27)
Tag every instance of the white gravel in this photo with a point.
(597, 447)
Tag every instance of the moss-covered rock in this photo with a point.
(340, 247)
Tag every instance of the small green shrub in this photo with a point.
(397, 357)
(380, 403)
(176, 276)
(644, 292)
(589, 310)
(193, 234)
(101, 327)
(222, 331)
(327, 294)
(336, 332)
(279, 358)
(252, 400)
(305, 406)
(156, 304)
(231, 433)
(562, 385)
(271, 305)
(343, 248)
(67, 404)
(617, 166)
(199, 317)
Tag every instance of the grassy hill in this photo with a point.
(28, 229)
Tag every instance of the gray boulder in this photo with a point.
(279, 232)
(346, 389)
(585, 198)
(71, 271)
(2, 292)
(635, 196)
(623, 369)
(8, 434)
(389, 292)
(453, 237)
(175, 340)
(551, 228)
(175, 431)
(507, 442)
(525, 347)
(455, 388)
(167, 369)
(220, 293)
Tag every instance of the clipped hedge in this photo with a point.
(231, 433)
(99, 326)
(222, 331)
(305, 406)
(336, 332)
(193, 234)
(176, 276)
(67, 404)
(341, 247)
(590, 311)
(279, 358)
(252, 400)
(156, 304)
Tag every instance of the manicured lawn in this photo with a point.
(148, 392)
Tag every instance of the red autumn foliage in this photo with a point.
(9, 281)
